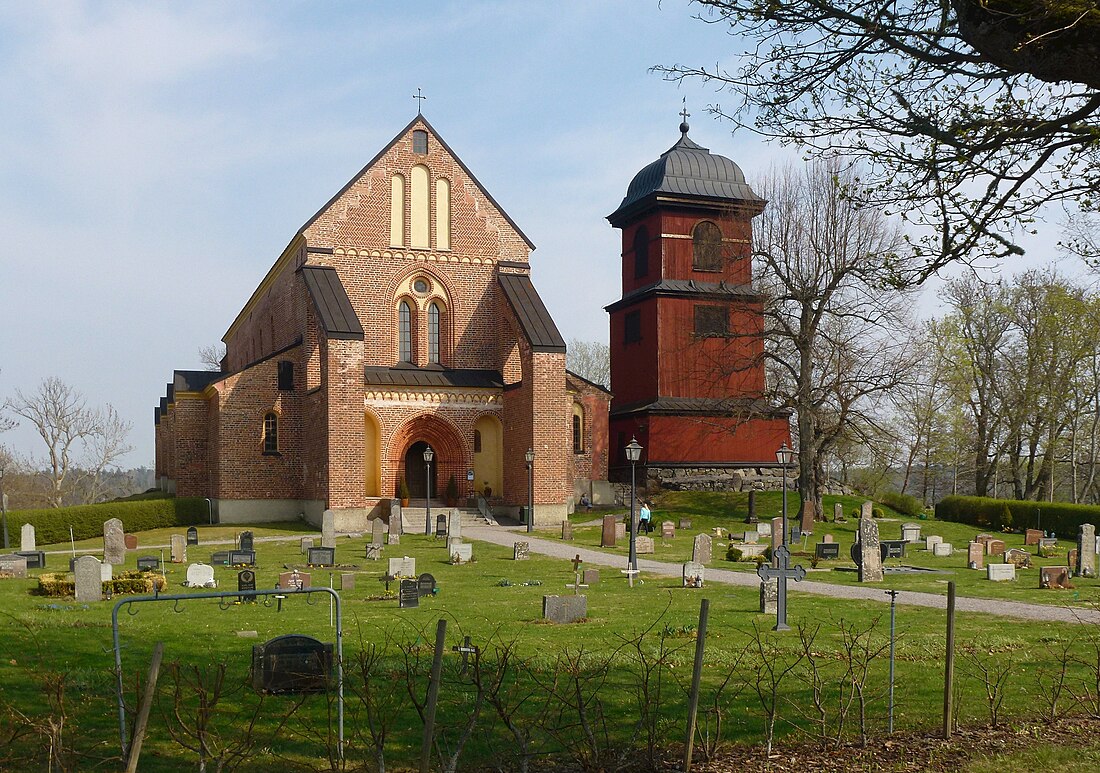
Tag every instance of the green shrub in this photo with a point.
(57, 584)
(1006, 518)
(1060, 517)
(733, 553)
(903, 503)
(876, 512)
(51, 525)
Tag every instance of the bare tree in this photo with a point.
(590, 360)
(211, 356)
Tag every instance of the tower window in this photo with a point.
(632, 327)
(641, 253)
(271, 433)
(578, 436)
(404, 332)
(712, 321)
(420, 142)
(286, 376)
(706, 242)
(433, 333)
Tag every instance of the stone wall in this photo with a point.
(725, 479)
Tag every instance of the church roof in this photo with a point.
(687, 169)
(191, 381)
(338, 318)
(430, 377)
(537, 324)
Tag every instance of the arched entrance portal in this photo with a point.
(417, 472)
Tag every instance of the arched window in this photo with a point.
(397, 211)
(477, 441)
(420, 142)
(404, 332)
(419, 208)
(578, 429)
(641, 252)
(706, 242)
(433, 332)
(271, 433)
(442, 214)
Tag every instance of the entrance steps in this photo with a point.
(412, 518)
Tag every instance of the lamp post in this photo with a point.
(784, 456)
(530, 457)
(428, 456)
(633, 454)
(3, 506)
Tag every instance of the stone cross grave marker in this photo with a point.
(26, 537)
(567, 531)
(179, 549)
(192, 536)
(454, 524)
(114, 542)
(607, 536)
(693, 574)
(466, 649)
(328, 529)
(521, 551)
(781, 573)
(89, 579)
(246, 541)
(13, 566)
(577, 584)
(201, 576)
(668, 530)
(702, 549)
(1086, 550)
(870, 552)
(377, 532)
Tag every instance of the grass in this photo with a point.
(42, 637)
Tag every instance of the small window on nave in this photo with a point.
(271, 433)
(420, 142)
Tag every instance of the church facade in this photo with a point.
(400, 318)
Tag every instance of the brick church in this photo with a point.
(400, 317)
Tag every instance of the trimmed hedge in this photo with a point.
(51, 526)
(903, 503)
(58, 585)
(985, 512)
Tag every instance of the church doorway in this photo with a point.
(417, 472)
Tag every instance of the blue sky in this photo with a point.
(157, 157)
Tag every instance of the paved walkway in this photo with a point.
(567, 550)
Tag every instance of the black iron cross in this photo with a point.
(420, 103)
(577, 562)
(684, 113)
(466, 649)
(782, 572)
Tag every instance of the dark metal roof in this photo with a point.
(570, 374)
(193, 380)
(338, 318)
(688, 169)
(703, 405)
(717, 291)
(537, 324)
(426, 377)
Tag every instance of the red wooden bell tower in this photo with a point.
(687, 369)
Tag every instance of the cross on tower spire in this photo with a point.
(684, 114)
(420, 100)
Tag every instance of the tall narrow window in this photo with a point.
(706, 242)
(578, 436)
(419, 208)
(271, 433)
(420, 142)
(442, 214)
(433, 333)
(404, 332)
(641, 252)
(477, 441)
(397, 211)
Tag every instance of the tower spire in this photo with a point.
(684, 114)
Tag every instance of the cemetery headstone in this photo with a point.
(782, 572)
(192, 536)
(1071, 559)
(567, 531)
(892, 548)
(395, 539)
(89, 579)
(693, 574)
(246, 541)
(292, 664)
(321, 557)
(769, 596)
(838, 512)
(26, 538)
(931, 540)
(1021, 559)
(402, 567)
(764, 528)
(643, 545)
(591, 577)
(668, 530)
(219, 557)
(246, 581)
(451, 542)
(305, 544)
(130, 541)
(425, 584)
(1054, 577)
(372, 552)
(910, 532)
(827, 550)
(750, 551)
(564, 609)
(242, 557)
(975, 555)
(685, 523)
(328, 529)
(377, 532)
(607, 535)
(1086, 550)
(148, 564)
(521, 551)
(106, 572)
(828, 538)
(1000, 572)
(114, 542)
(752, 506)
(796, 532)
(408, 595)
(462, 553)
(995, 547)
(1048, 542)
(870, 563)
(620, 530)
(13, 566)
(441, 527)
(347, 581)
(942, 549)
(1032, 536)
(866, 510)
(201, 576)
(395, 519)
(454, 524)
(984, 538)
(777, 534)
(808, 513)
(36, 559)
(702, 549)
(179, 549)
(751, 536)
(295, 580)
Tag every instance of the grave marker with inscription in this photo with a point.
(201, 576)
(1085, 566)
(870, 552)
(1000, 572)
(89, 579)
(643, 545)
(192, 536)
(292, 664)
(1054, 577)
(246, 581)
(179, 549)
(114, 542)
(402, 567)
(305, 544)
(321, 557)
(564, 609)
(246, 541)
(26, 538)
(827, 550)
(295, 580)
(462, 553)
(377, 532)
(591, 577)
(693, 574)
(13, 566)
(521, 551)
(242, 557)
(910, 532)
(148, 564)
(408, 594)
(425, 585)
(942, 549)
(975, 555)
(372, 552)
(328, 529)
(454, 524)
(607, 535)
(702, 549)
(668, 530)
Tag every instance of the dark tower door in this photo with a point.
(417, 473)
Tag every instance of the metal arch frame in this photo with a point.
(220, 595)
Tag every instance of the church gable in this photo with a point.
(417, 196)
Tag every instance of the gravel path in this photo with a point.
(508, 536)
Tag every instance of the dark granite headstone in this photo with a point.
(246, 580)
(408, 594)
(566, 530)
(148, 564)
(564, 609)
(607, 535)
(242, 557)
(321, 557)
(192, 536)
(130, 541)
(36, 559)
(441, 525)
(246, 541)
(292, 664)
(425, 585)
(827, 550)
(219, 557)
(892, 548)
(752, 507)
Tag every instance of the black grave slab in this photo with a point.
(246, 541)
(36, 559)
(246, 580)
(441, 525)
(220, 557)
(242, 558)
(192, 536)
(892, 548)
(321, 557)
(292, 664)
(408, 594)
(425, 585)
(827, 550)
(148, 564)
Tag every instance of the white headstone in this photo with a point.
(26, 538)
(764, 529)
(106, 572)
(932, 540)
(462, 553)
(201, 576)
(402, 567)
(89, 579)
(454, 524)
(693, 574)
(942, 549)
(1000, 572)
(179, 549)
(910, 532)
(114, 542)
(328, 529)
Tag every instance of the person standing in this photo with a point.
(644, 519)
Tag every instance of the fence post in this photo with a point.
(433, 697)
(146, 705)
(696, 677)
(949, 663)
